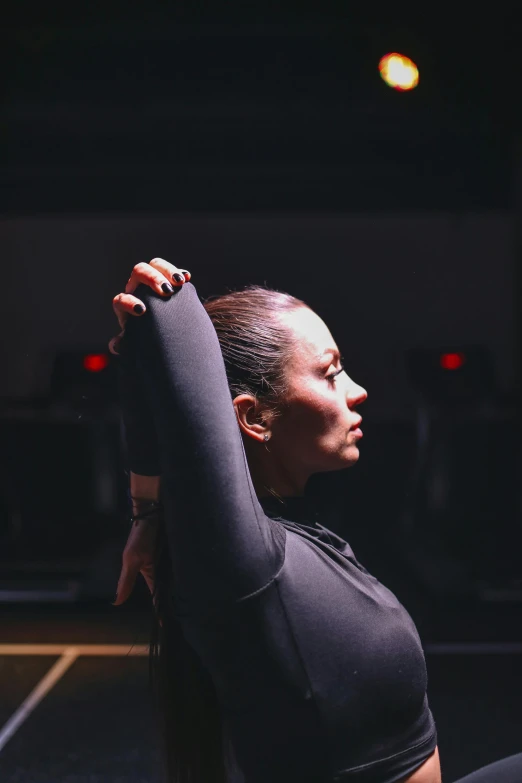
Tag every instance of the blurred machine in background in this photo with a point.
(62, 491)
(461, 519)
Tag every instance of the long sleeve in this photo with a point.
(222, 545)
(142, 450)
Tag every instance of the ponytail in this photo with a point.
(183, 693)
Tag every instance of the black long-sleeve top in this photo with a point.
(318, 668)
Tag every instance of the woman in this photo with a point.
(281, 659)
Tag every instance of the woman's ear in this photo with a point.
(251, 417)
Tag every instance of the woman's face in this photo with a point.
(316, 430)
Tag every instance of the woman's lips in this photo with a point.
(356, 430)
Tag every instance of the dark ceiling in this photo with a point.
(121, 109)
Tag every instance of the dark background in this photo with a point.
(259, 145)
(116, 107)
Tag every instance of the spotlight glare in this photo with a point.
(398, 71)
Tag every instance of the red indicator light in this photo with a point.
(452, 361)
(95, 362)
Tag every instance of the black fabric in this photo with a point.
(508, 770)
(318, 668)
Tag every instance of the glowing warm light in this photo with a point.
(452, 361)
(399, 71)
(95, 362)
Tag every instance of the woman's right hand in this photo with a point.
(159, 275)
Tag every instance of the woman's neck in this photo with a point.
(275, 483)
(270, 473)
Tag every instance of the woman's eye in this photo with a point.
(335, 374)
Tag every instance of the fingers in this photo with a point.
(159, 275)
(126, 583)
(114, 344)
(126, 304)
(146, 274)
(172, 273)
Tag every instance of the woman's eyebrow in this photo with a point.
(333, 351)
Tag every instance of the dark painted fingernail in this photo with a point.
(179, 278)
(167, 288)
(138, 309)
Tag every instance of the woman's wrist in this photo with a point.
(145, 509)
(144, 487)
(144, 495)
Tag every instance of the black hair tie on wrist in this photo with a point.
(147, 509)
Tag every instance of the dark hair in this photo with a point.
(254, 343)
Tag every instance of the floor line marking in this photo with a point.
(132, 650)
(123, 650)
(47, 682)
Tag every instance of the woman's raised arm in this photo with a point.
(221, 544)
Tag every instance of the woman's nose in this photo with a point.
(355, 395)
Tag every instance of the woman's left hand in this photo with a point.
(138, 558)
(159, 275)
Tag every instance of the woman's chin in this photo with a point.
(345, 459)
(340, 460)
(351, 455)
